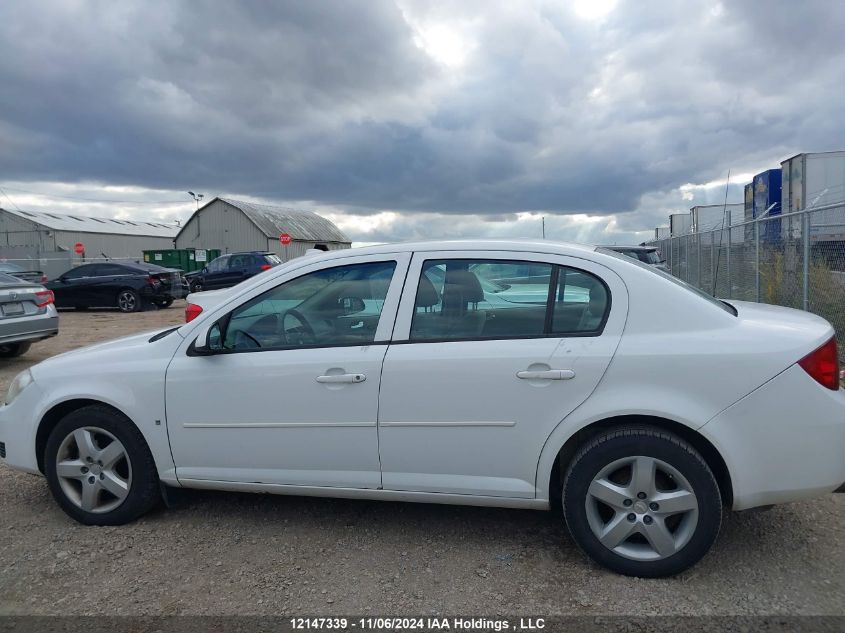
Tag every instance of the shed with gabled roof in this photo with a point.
(235, 225)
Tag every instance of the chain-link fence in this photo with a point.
(795, 260)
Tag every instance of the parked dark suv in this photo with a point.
(126, 286)
(231, 269)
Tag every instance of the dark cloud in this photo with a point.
(349, 105)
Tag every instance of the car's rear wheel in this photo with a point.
(128, 300)
(99, 468)
(12, 350)
(642, 502)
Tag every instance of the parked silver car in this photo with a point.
(24, 274)
(646, 254)
(27, 314)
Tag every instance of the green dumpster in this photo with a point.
(185, 259)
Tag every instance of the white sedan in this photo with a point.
(514, 374)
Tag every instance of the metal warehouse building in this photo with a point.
(234, 225)
(51, 237)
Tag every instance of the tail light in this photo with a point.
(192, 311)
(44, 279)
(823, 365)
(44, 298)
(153, 280)
(266, 266)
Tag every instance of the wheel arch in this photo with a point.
(708, 451)
(56, 413)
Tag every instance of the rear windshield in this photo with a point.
(272, 259)
(716, 302)
(8, 279)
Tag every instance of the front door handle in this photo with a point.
(548, 374)
(338, 378)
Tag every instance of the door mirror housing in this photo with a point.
(351, 305)
(209, 341)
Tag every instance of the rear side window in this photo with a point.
(581, 303)
(79, 272)
(112, 270)
(498, 299)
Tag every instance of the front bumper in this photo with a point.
(783, 442)
(18, 429)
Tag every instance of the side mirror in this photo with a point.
(351, 305)
(204, 269)
(209, 341)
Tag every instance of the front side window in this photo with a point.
(495, 299)
(218, 264)
(326, 308)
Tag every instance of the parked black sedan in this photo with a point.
(126, 286)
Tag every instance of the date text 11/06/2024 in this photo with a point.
(417, 624)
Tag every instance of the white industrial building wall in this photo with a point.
(221, 226)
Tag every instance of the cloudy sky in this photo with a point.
(412, 119)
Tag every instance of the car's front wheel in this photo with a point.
(164, 303)
(99, 468)
(642, 502)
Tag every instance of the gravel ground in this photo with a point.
(227, 554)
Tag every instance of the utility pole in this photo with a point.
(543, 218)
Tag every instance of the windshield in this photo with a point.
(716, 302)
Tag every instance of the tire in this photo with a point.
(164, 303)
(196, 286)
(128, 301)
(642, 537)
(133, 475)
(13, 350)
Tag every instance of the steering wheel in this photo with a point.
(296, 329)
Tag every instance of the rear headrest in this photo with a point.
(427, 295)
(462, 285)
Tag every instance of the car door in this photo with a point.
(72, 288)
(292, 396)
(491, 351)
(239, 269)
(106, 282)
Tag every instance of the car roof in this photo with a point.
(516, 245)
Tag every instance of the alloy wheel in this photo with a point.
(93, 469)
(642, 508)
(126, 301)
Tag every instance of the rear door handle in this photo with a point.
(336, 378)
(548, 374)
